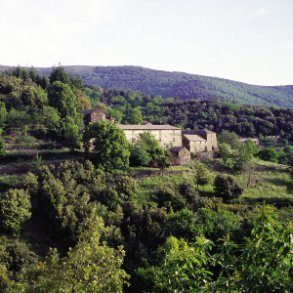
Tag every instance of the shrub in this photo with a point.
(15, 208)
(226, 187)
(167, 196)
(268, 154)
(203, 175)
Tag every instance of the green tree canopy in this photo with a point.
(111, 148)
(184, 266)
(135, 116)
(226, 187)
(59, 74)
(230, 138)
(62, 97)
(15, 208)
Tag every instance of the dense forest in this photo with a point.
(122, 219)
(245, 120)
(179, 85)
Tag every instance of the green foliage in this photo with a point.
(2, 147)
(72, 133)
(34, 97)
(226, 187)
(243, 156)
(148, 152)
(3, 114)
(266, 264)
(50, 118)
(203, 175)
(37, 162)
(18, 118)
(15, 257)
(190, 192)
(181, 224)
(230, 138)
(14, 210)
(62, 97)
(290, 166)
(167, 196)
(225, 152)
(111, 148)
(251, 147)
(163, 160)
(88, 267)
(183, 85)
(268, 154)
(67, 197)
(140, 155)
(59, 74)
(87, 213)
(135, 116)
(184, 267)
(114, 113)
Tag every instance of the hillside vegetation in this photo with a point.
(179, 84)
(117, 217)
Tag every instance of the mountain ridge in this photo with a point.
(178, 84)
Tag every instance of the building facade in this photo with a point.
(200, 141)
(180, 155)
(167, 135)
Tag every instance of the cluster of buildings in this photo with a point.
(182, 144)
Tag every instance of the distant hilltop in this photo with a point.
(179, 85)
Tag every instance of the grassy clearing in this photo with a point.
(272, 185)
(148, 185)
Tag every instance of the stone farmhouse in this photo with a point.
(181, 143)
(200, 141)
(168, 136)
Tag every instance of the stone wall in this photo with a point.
(212, 142)
(197, 146)
(166, 138)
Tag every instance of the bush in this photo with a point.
(226, 187)
(203, 175)
(15, 208)
(168, 197)
(189, 191)
(181, 224)
(269, 154)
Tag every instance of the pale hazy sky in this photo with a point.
(245, 40)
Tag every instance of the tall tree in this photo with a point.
(62, 97)
(59, 74)
(15, 208)
(111, 148)
(135, 116)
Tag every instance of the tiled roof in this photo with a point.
(199, 132)
(148, 127)
(194, 137)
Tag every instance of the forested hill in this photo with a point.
(178, 84)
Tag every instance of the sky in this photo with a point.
(245, 40)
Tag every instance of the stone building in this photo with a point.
(94, 115)
(167, 135)
(180, 155)
(170, 137)
(200, 141)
